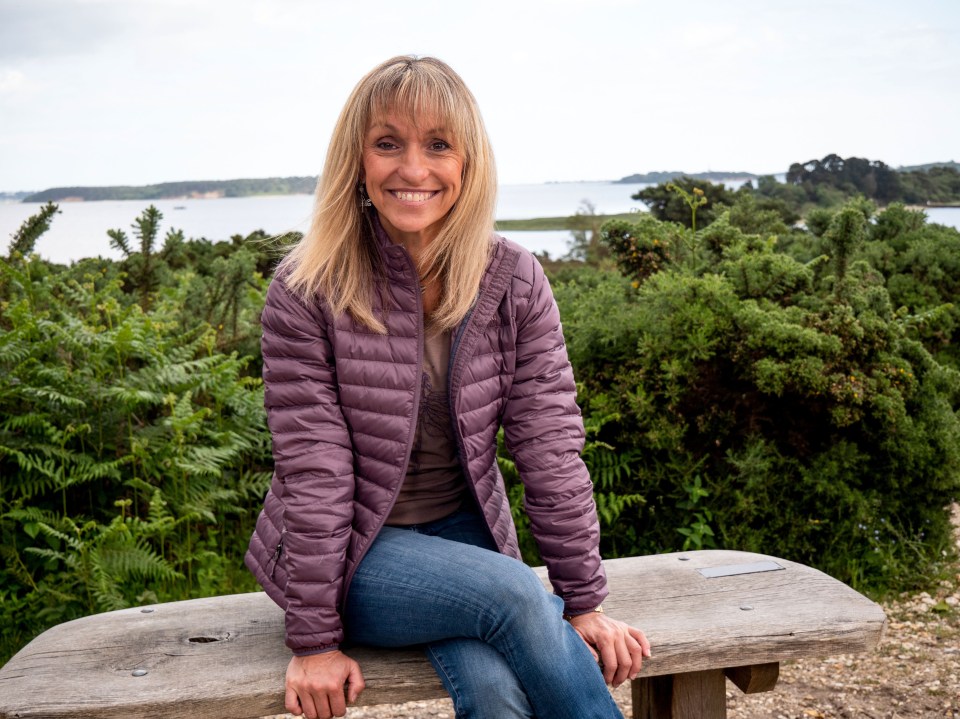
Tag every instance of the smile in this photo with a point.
(413, 196)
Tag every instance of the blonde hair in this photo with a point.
(339, 257)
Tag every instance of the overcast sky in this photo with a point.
(109, 92)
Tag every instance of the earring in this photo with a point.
(364, 200)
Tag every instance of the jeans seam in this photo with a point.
(439, 666)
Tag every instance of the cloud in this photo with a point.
(570, 89)
(42, 28)
(12, 81)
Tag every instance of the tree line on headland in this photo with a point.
(746, 382)
(923, 184)
(178, 190)
(829, 182)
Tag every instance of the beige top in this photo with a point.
(434, 486)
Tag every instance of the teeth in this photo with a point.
(413, 196)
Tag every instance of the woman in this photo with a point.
(398, 336)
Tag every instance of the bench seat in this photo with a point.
(708, 614)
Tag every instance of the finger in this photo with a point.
(291, 702)
(608, 655)
(624, 659)
(642, 638)
(636, 655)
(323, 707)
(356, 684)
(310, 708)
(337, 703)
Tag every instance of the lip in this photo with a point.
(413, 197)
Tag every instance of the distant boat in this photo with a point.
(179, 207)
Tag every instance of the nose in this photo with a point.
(413, 167)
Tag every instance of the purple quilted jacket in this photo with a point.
(341, 405)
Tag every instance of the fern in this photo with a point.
(133, 453)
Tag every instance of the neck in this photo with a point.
(415, 244)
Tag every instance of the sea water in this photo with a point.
(80, 229)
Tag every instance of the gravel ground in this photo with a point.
(914, 673)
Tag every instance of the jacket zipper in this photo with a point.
(276, 556)
(455, 345)
(461, 330)
(413, 430)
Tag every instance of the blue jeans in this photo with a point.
(495, 636)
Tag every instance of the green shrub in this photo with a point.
(133, 453)
(767, 404)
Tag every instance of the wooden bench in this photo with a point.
(709, 615)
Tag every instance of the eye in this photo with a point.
(439, 145)
(385, 145)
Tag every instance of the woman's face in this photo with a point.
(413, 176)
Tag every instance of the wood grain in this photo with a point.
(225, 657)
(699, 695)
(652, 697)
(694, 695)
(755, 678)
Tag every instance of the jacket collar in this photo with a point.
(383, 239)
(393, 252)
(390, 248)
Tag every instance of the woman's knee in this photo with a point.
(519, 590)
(512, 578)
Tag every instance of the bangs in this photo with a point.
(423, 96)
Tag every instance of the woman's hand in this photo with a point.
(619, 647)
(315, 685)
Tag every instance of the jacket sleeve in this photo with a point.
(313, 461)
(544, 434)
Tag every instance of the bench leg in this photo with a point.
(754, 678)
(691, 695)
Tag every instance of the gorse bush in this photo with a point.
(769, 404)
(133, 451)
(920, 264)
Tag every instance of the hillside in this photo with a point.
(670, 175)
(14, 196)
(176, 190)
(667, 176)
(929, 166)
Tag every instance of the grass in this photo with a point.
(573, 222)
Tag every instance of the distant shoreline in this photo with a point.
(218, 189)
(186, 190)
(655, 178)
(165, 198)
(306, 185)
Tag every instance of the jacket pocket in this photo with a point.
(275, 559)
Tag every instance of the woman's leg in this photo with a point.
(477, 677)
(480, 682)
(412, 588)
